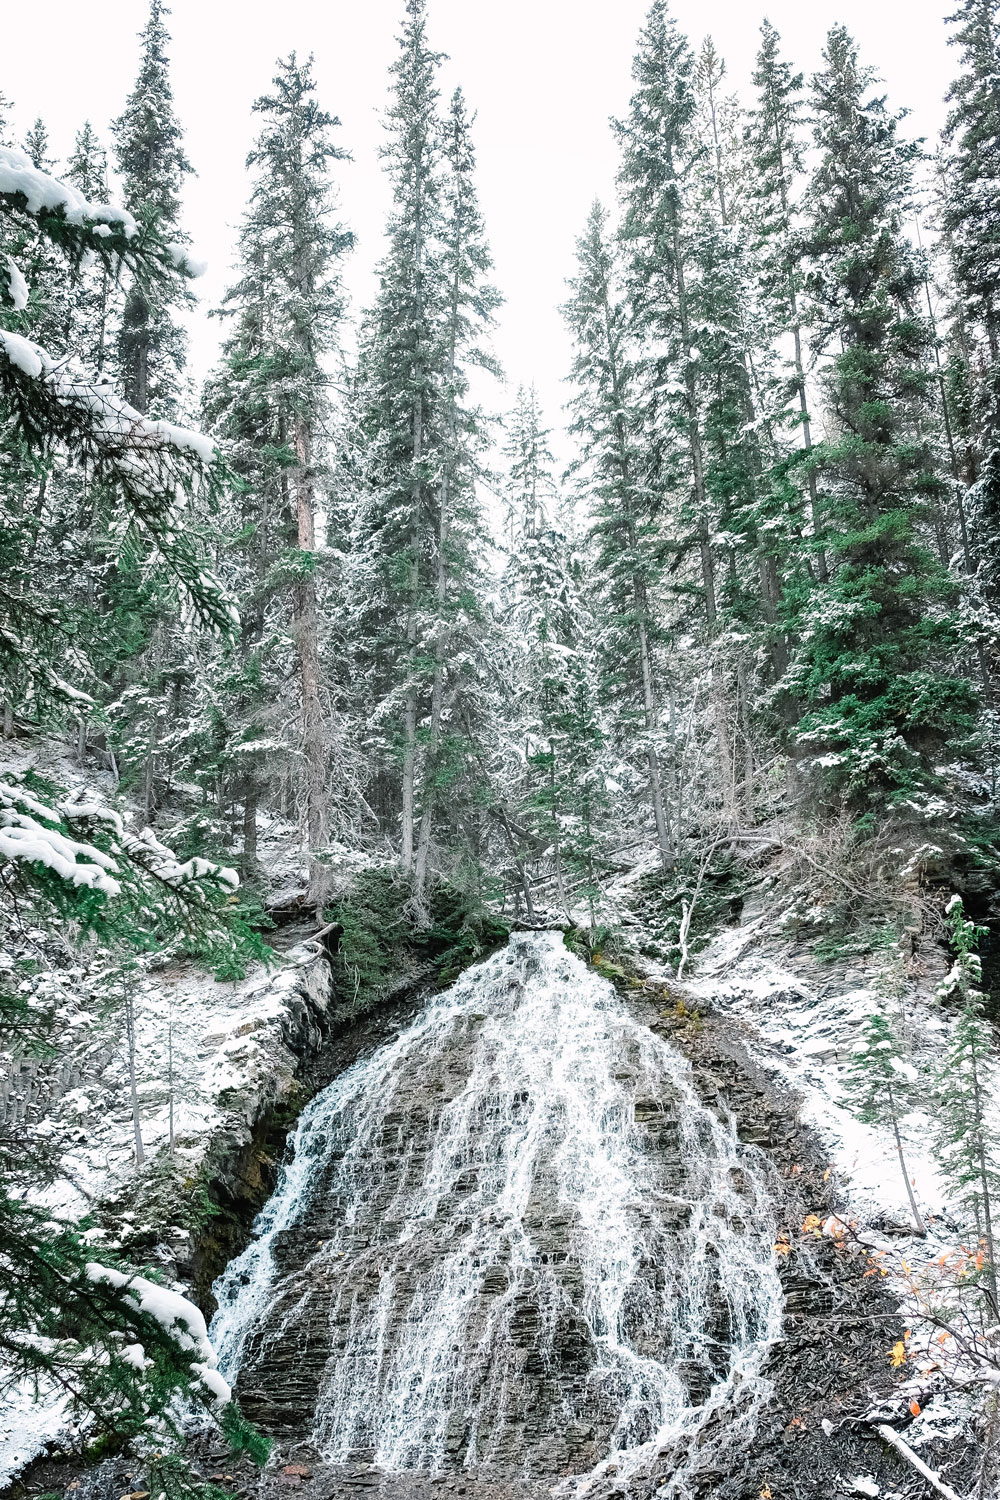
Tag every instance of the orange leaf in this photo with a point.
(897, 1354)
(915, 1408)
(782, 1247)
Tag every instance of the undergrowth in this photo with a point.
(379, 945)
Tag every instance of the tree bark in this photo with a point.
(305, 629)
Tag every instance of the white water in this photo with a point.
(542, 1067)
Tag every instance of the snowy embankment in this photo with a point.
(807, 1019)
(212, 1058)
(803, 1020)
(235, 1047)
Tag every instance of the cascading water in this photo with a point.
(513, 1239)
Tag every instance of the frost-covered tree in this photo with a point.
(531, 499)
(608, 418)
(685, 284)
(95, 292)
(418, 542)
(969, 217)
(879, 668)
(966, 1085)
(270, 401)
(879, 1085)
(53, 408)
(152, 165)
(561, 801)
(775, 155)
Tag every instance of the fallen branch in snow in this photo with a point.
(895, 1441)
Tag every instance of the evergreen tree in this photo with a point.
(876, 667)
(401, 366)
(152, 166)
(684, 279)
(972, 206)
(608, 417)
(55, 410)
(270, 401)
(561, 800)
(966, 1083)
(969, 214)
(879, 1083)
(418, 542)
(530, 497)
(95, 291)
(459, 698)
(775, 161)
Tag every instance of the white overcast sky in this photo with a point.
(544, 76)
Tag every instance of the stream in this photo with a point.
(511, 1242)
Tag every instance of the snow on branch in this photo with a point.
(76, 225)
(27, 836)
(30, 834)
(178, 1318)
(150, 465)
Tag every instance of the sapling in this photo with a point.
(967, 1079)
(878, 1084)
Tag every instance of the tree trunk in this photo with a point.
(305, 629)
(140, 1155)
(248, 867)
(917, 1218)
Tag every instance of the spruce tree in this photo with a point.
(530, 496)
(460, 701)
(684, 282)
(270, 401)
(879, 1084)
(878, 669)
(400, 374)
(775, 160)
(608, 418)
(95, 293)
(966, 1084)
(417, 538)
(152, 166)
(972, 135)
(969, 216)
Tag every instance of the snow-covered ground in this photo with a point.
(805, 1030)
(802, 1021)
(210, 1056)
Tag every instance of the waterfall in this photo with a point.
(513, 1239)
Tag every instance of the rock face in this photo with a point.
(509, 1242)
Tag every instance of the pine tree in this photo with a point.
(876, 667)
(969, 216)
(152, 165)
(530, 496)
(561, 801)
(966, 1083)
(418, 540)
(271, 401)
(879, 1083)
(458, 700)
(775, 161)
(55, 409)
(95, 290)
(608, 418)
(684, 281)
(401, 364)
(972, 207)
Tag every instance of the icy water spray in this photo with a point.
(540, 1253)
